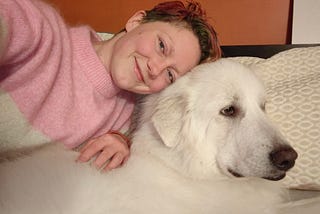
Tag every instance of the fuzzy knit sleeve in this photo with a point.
(22, 25)
(30, 31)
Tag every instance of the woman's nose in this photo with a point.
(156, 67)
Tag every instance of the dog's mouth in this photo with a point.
(272, 178)
(276, 178)
(235, 174)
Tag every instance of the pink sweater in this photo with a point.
(54, 77)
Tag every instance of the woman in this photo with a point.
(67, 85)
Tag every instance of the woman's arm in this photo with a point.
(24, 27)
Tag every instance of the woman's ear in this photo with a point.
(135, 20)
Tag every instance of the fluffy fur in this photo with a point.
(191, 140)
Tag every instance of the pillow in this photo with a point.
(292, 80)
(105, 36)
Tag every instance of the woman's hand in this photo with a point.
(111, 151)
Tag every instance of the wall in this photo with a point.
(238, 22)
(306, 27)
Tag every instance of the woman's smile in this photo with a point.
(137, 71)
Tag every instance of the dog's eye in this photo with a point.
(228, 111)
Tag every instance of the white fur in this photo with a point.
(179, 162)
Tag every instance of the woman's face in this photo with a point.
(153, 55)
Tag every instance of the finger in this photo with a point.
(102, 138)
(86, 145)
(125, 160)
(115, 162)
(90, 151)
(103, 157)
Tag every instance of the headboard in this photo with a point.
(262, 51)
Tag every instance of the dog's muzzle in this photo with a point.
(282, 159)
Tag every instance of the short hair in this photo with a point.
(193, 17)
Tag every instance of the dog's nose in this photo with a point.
(283, 158)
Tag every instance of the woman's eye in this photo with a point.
(171, 76)
(162, 46)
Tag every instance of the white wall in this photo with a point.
(306, 22)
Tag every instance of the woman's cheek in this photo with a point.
(158, 86)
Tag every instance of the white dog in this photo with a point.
(193, 142)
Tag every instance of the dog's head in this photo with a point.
(213, 120)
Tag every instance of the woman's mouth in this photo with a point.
(137, 71)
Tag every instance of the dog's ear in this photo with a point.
(168, 119)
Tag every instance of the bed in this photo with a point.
(291, 74)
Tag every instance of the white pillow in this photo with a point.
(105, 36)
(292, 80)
